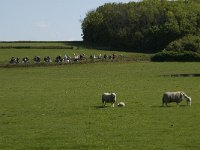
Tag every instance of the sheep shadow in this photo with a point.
(102, 107)
(183, 106)
(160, 106)
(169, 106)
(184, 75)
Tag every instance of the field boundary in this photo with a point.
(39, 44)
(36, 47)
(87, 61)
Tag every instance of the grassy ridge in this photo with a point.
(40, 45)
(53, 49)
(6, 54)
(59, 107)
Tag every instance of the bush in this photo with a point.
(186, 56)
(187, 43)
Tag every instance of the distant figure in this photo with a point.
(66, 59)
(93, 57)
(36, 59)
(105, 56)
(14, 60)
(58, 59)
(47, 59)
(99, 57)
(25, 60)
(114, 56)
(82, 56)
(76, 57)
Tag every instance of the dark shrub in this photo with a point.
(187, 43)
(186, 56)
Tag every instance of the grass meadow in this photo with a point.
(59, 107)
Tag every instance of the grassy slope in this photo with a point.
(59, 107)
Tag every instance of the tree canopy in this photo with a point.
(146, 26)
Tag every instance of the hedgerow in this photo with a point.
(175, 56)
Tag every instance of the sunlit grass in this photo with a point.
(59, 107)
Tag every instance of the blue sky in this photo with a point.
(45, 20)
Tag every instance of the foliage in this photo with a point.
(184, 56)
(149, 25)
(188, 43)
(60, 107)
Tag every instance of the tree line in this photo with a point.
(145, 26)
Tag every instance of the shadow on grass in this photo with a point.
(102, 107)
(184, 75)
(159, 106)
(169, 106)
(183, 106)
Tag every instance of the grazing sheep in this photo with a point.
(177, 97)
(121, 104)
(109, 98)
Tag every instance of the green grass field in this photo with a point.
(59, 107)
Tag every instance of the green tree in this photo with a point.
(92, 26)
(149, 25)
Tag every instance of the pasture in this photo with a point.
(59, 107)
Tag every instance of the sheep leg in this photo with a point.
(104, 103)
(113, 105)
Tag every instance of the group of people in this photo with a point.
(113, 56)
(59, 59)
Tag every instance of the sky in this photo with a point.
(45, 20)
